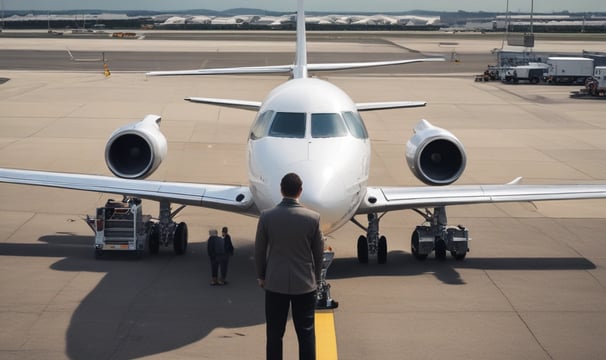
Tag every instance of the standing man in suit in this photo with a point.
(288, 257)
(219, 250)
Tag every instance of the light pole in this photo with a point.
(531, 15)
(506, 25)
(2, 5)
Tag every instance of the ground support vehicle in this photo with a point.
(595, 87)
(533, 73)
(121, 226)
(568, 70)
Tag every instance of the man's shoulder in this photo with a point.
(310, 212)
(290, 209)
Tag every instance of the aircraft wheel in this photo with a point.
(154, 240)
(382, 250)
(414, 246)
(180, 239)
(440, 250)
(362, 250)
(457, 256)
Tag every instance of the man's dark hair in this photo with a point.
(291, 185)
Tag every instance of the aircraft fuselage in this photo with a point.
(317, 142)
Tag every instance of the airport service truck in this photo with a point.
(121, 226)
(568, 70)
(533, 73)
(595, 86)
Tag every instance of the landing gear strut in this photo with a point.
(167, 231)
(438, 237)
(323, 299)
(372, 243)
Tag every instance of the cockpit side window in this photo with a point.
(327, 125)
(355, 125)
(261, 125)
(288, 125)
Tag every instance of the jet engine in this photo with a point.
(135, 151)
(434, 155)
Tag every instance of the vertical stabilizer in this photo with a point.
(300, 70)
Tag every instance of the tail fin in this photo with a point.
(300, 69)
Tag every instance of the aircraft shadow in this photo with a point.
(164, 302)
(153, 305)
(400, 263)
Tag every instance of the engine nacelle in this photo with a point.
(135, 151)
(434, 155)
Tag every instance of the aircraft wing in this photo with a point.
(398, 198)
(231, 198)
(239, 104)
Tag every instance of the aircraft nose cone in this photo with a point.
(325, 192)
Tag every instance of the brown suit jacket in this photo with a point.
(288, 248)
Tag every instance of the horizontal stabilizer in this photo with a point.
(389, 105)
(238, 104)
(288, 68)
(359, 65)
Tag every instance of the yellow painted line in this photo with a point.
(326, 338)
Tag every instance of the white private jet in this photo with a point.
(310, 127)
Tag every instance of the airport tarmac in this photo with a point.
(532, 287)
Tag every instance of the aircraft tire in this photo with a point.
(154, 240)
(440, 250)
(414, 245)
(180, 239)
(362, 250)
(458, 257)
(382, 250)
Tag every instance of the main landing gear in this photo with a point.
(372, 243)
(438, 237)
(167, 231)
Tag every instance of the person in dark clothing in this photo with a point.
(225, 235)
(219, 250)
(288, 257)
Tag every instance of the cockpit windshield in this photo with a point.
(288, 125)
(322, 125)
(355, 125)
(327, 126)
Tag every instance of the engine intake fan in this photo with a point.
(135, 151)
(434, 155)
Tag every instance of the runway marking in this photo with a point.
(326, 339)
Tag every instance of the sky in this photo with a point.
(340, 6)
